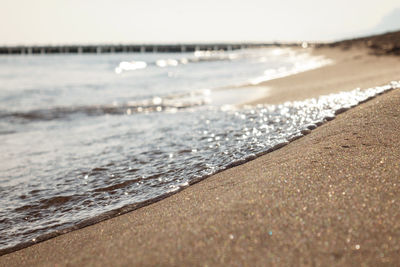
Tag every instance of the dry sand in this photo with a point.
(329, 198)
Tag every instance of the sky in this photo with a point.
(53, 22)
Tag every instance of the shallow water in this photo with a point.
(79, 140)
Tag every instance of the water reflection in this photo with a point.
(115, 163)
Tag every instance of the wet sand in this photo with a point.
(329, 198)
(353, 68)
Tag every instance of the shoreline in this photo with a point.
(351, 68)
(306, 80)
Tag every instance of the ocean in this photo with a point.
(88, 137)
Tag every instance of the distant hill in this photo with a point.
(380, 44)
(390, 22)
(382, 39)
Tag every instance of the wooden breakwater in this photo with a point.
(126, 48)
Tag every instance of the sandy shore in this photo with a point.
(352, 68)
(329, 198)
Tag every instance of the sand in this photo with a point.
(329, 198)
(352, 68)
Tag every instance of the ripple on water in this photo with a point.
(150, 156)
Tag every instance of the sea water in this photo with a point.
(87, 137)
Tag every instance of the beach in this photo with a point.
(328, 198)
(353, 68)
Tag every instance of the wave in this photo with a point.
(304, 62)
(156, 104)
(259, 131)
(198, 56)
